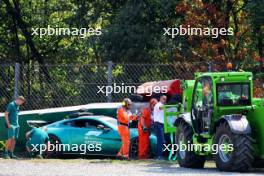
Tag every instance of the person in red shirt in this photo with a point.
(144, 130)
(124, 116)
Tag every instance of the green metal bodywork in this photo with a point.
(172, 111)
(256, 120)
(254, 110)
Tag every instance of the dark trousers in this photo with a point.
(159, 130)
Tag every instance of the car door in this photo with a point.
(104, 136)
(97, 137)
(111, 141)
(77, 135)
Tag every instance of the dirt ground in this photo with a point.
(102, 167)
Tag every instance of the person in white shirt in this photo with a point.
(158, 116)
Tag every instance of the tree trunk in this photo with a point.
(15, 13)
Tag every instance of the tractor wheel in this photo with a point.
(258, 163)
(240, 158)
(187, 158)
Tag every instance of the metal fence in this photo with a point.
(67, 85)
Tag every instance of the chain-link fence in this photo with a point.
(67, 85)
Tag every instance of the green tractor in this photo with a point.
(218, 117)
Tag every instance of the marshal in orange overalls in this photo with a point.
(123, 118)
(143, 136)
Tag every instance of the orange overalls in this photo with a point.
(123, 118)
(143, 137)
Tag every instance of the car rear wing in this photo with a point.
(38, 123)
(79, 114)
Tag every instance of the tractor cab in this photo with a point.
(221, 119)
(218, 94)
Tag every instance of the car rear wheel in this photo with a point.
(133, 152)
(53, 151)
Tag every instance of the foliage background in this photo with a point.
(132, 32)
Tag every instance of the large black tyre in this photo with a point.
(241, 158)
(133, 151)
(187, 158)
(258, 163)
(54, 140)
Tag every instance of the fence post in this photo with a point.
(16, 82)
(210, 67)
(109, 80)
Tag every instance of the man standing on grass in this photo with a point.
(124, 117)
(11, 117)
(159, 125)
(144, 126)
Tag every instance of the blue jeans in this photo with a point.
(159, 130)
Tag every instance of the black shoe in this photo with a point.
(12, 156)
(39, 157)
(31, 155)
(6, 155)
(126, 158)
(119, 157)
(123, 158)
(160, 158)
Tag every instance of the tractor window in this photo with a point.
(198, 95)
(203, 95)
(207, 92)
(233, 94)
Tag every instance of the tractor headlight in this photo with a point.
(250, 78)
(222, 79)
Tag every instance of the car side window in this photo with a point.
(69, 123)
(95, 124)
(81, 123)
(75, 123)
